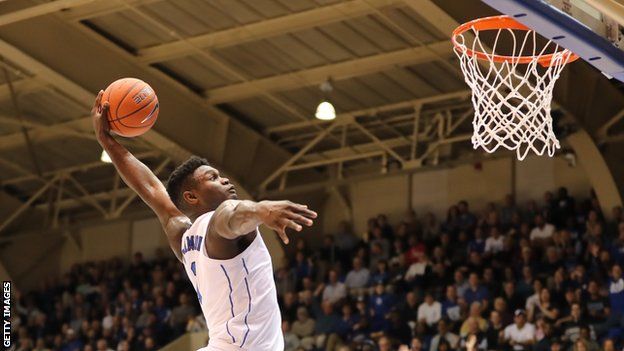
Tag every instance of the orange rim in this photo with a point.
(502, 22)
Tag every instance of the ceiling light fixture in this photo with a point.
(325, 110)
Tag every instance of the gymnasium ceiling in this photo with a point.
(238, 83)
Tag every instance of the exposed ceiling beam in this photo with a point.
(264, 29)
(80, 127)
(434, 15)
(83, 96)
(77, 168)
(40, 10)
(101, 8)
(462, 94)
(22, 86)
(336, 71)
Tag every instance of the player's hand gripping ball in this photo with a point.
(133, 106)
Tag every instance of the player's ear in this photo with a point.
(190, 198)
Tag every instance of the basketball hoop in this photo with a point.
(512, 93)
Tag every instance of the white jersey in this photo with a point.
(237, 296)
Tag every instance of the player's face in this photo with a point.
(212, 189)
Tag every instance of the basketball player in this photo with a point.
(216, 237)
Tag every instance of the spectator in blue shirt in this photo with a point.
(478, 243)
(467, 221)
(476, 292)
(615, 318)
(380, 303)
(326, 327)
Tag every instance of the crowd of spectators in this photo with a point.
(534, 276)
(538, 276)
(108, 306)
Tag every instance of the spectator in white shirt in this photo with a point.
(520, 335)
(495, 243)
(543, 232)
(334, 291)
(358, 277)
(429, 311)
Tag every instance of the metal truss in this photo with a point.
(68, 193)
(605, 134)
(410, 134)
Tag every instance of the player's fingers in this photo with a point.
(98, 99)
(300, 208)
(282, 234)
(304, 210)
(293, 225)
(300, 219)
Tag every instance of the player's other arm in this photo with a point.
(234, 218)
(140, 179)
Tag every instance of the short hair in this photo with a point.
(179, 177)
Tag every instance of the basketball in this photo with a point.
(133, 106)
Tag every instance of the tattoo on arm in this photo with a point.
(235, 218)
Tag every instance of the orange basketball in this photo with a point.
(133, 106)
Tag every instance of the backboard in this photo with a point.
(591, 29)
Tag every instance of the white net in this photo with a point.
(511, 96)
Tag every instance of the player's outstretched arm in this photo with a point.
(234, 218)
(140, 179)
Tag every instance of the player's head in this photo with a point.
(195, 187)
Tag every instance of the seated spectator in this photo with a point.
(585, 338)
(411, 223)
(291, 341)
(386, 228)
(476, 292)
(334, 290)
(380, 303)
(384, 344)
(450, 306)
(520, 335)
(303, 328)
(383, 243)
(415, 251)
(475, 336)
(495, 243)
(477, 244)
(460, 283)
(546, 342)
(508, 210)
(326, 328)
(474, 315)
(409, 308)
(380, 273)
(533, 300)
(467, 220)
(514, 300)
(616, 303)
(571, 324)
(398, 330)
(544, 308)
(500, 306)
(288, 306)
(495, 331)
(542, 233)
(431, 228)
(595, 305)
(444, 334)
(180, 314)
(430, 311)
(358, 277)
